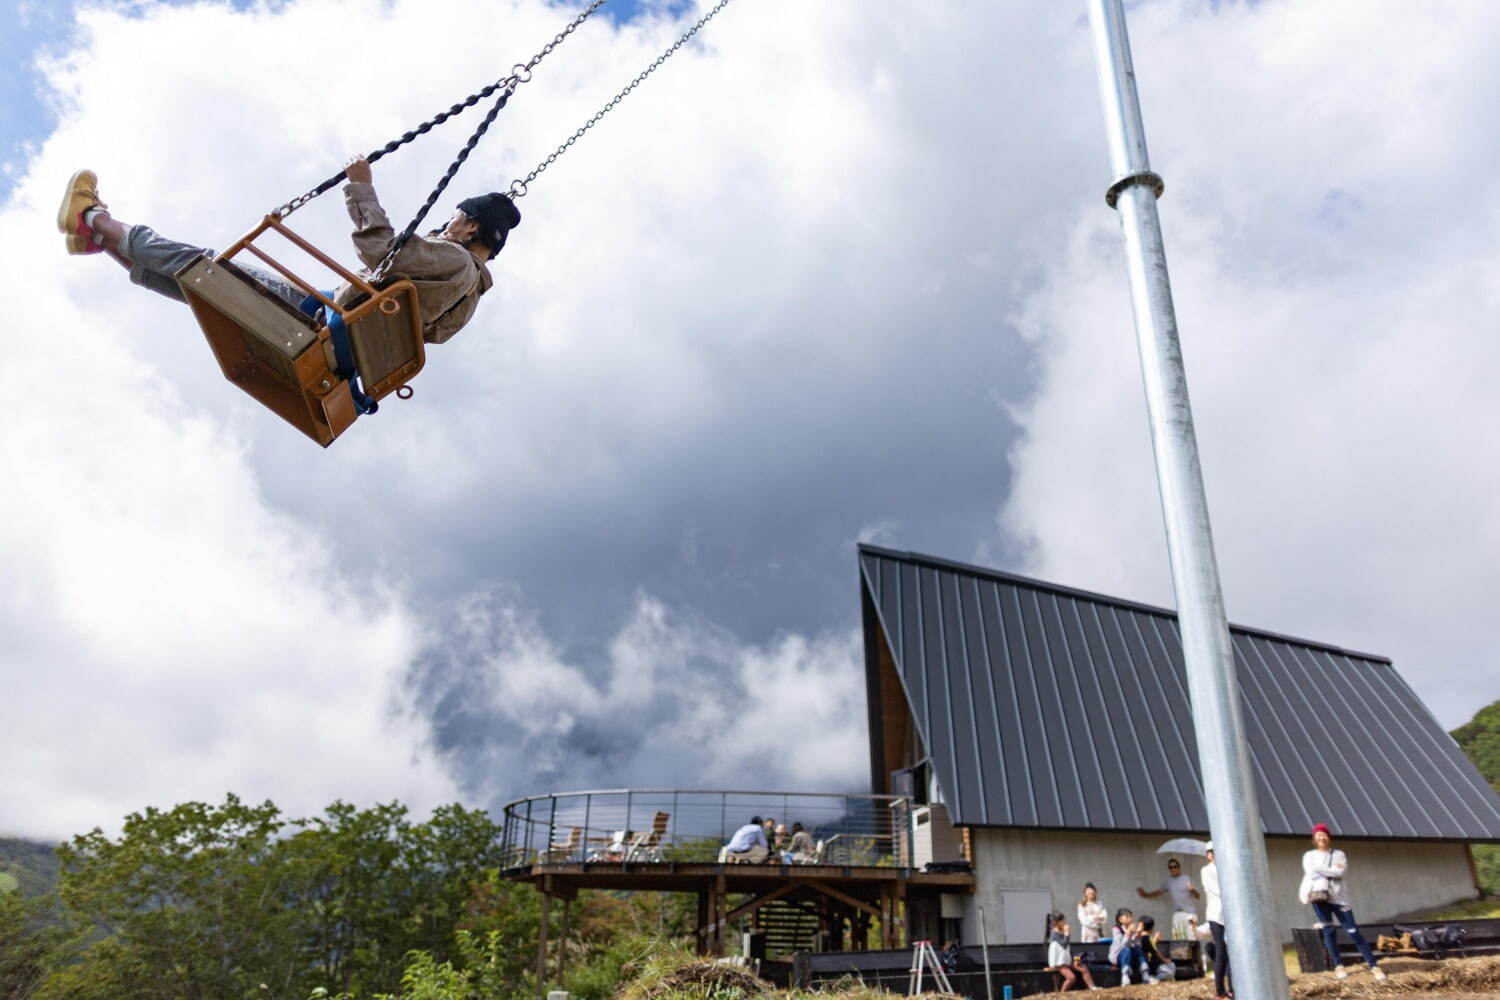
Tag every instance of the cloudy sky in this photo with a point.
(841, 271)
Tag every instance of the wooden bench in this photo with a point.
(1022, 967)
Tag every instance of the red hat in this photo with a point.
(1322, 828)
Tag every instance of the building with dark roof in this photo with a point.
(1049, 732)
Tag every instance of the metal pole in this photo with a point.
(1228, 785)
(984, 948)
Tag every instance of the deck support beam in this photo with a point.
(541, 946)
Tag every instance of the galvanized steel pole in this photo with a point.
(1228, 784)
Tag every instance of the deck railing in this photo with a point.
(649, 826)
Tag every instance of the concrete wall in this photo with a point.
(1386, 878)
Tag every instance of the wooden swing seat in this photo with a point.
(283, 358)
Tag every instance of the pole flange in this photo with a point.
(1138, 177)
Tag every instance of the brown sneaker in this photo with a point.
(82, 195)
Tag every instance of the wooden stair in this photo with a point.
(789, 927)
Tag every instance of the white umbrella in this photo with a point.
(1184, 845)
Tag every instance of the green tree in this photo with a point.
(235, 900)
(32, 941)
(1479, 738)
(189, 903)
(377, 887)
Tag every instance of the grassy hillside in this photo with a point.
(31, 865)
(1480, 739)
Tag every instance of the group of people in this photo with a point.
(764, 840)
(1138, 949)
(1136, 946)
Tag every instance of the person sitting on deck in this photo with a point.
(802, 850)
(747, 846)
(448, 266)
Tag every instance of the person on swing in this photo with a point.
(449, 266)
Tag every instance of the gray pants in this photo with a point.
(155, 261)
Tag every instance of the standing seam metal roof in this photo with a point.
(1043, 706)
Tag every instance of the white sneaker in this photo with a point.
(1125, 975)
(1148, 978)
(1341, 973)
(1378, 972)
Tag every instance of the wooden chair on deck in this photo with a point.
(565, 850)
(647, 846)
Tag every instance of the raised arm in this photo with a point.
(373, 232)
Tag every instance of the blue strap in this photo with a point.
(343, 350)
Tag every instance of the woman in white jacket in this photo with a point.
(1092, 916)
(1323, 870)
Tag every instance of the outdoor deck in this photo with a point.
(859, 885)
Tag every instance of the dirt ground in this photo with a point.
(1409, 979)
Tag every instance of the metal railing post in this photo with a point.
(588, 806)
(551, 826)
(1228, 783)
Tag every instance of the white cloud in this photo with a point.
(699, 298)
(678, 700)
(168, 635)
(1332, 238)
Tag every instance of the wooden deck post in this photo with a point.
(541, 947)
(562, 940)
(898, 917)
(721, 915)
(700, 944)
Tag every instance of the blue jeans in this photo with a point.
(1329, 917)
(155, 261)
(1134, 958)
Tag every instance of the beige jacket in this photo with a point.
(448, 277)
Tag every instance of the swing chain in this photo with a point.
(558, 38)
(463, 154)
(520, 73)
(518, 187)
